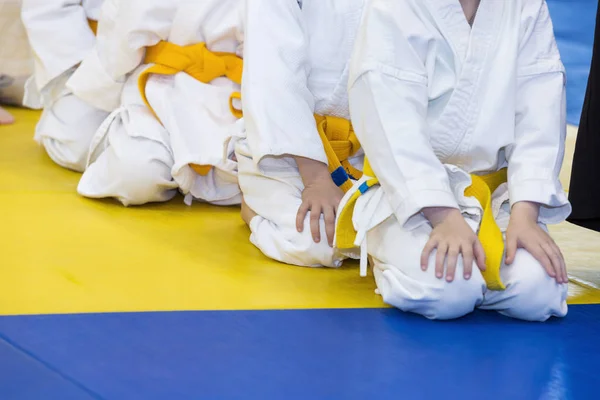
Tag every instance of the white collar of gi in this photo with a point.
(450, 16)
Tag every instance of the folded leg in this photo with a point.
(531, 294)
(395, 254)
(66, 129)
(275, 194)
(132, 161)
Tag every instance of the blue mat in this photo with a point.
(302, 354)
(574, 24)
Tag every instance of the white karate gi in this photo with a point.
(134, 158)
(60, 37)
(433, 101)
(296, 65)
(16, 60)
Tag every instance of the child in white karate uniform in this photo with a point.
(460, 107)
(61, 34)
(171, 71)
(296, 67)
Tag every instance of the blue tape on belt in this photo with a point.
(339, 176)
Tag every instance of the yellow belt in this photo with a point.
(340, 143)
(198, 62)
(490, 235)
(93, 26)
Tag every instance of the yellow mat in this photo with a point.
(60, 253)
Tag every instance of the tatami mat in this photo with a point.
(65, 254)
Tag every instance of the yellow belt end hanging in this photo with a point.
(202, 170)
(490, 234)
(345, 233)
(493, 245)
(235, 111)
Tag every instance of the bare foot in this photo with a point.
(247, 213)
(5, 117)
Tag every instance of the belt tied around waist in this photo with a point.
(490, 235)
(340, 143)
(198, 62)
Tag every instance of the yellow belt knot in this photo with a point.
(340, 143)
(198, 62)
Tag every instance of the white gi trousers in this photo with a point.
(136, 157)
(395, 252)
(274, 193)
(137, 160)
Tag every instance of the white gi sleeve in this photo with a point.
(535, 160)
(59, 35)
(388, 104)
(278, 106)
(125, 28)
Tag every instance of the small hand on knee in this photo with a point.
(452, 237)
(525, 233)
(320, 196)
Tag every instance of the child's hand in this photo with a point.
(451, 236)
(320, 196)
(524, 233)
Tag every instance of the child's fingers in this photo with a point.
(556, 261)
(315, 219)
(479, 253)
(563, 263)
(301, 216)
(440, 259)
(540, 254)
(511, 250)
(329, 215)
(467, 254)
(429, 247)
(453, 253)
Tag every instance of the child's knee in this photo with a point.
(66, 130)
(282, 242)
(71, 155)
(146, 181)
(132, 177)
(423, 293)
(455, 299)
(533, 295)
